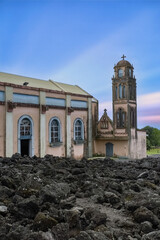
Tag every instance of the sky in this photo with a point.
(79, 41)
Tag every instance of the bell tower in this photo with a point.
(124, 100)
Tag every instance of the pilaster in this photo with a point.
(89, 127)
(9, 123)
(42, 101)
(68, 126)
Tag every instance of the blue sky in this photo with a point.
(78, 42)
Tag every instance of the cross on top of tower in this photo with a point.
(123, 57)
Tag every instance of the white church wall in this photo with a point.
(138, 145)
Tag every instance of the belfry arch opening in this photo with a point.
(25, 136)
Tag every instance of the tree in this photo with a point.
(153, 137)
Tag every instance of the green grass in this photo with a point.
(153, 151)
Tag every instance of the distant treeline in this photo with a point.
(153, 137)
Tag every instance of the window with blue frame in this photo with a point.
(25, 128)
(78, 130)
(54, 130)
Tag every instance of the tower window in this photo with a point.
(130, 92)
(124, 92)
(116, 93)
(120, 73)
(130, 72)
(120, 91)
(132, 118)
(121, 118)
(134, 93)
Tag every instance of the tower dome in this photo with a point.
(123, 63)
(123, 68)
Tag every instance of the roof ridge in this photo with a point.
(56, 84)
(83, 90)
(65, 83)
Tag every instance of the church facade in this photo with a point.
(46, 117)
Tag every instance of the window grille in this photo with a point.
(78, 130)
(55, 131)
(25, 127)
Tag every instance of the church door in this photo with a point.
(25, 137)
(109, 150)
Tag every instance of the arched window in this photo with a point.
(78, 130)
(132, 118)
(130, 92)
(120, 91)
(116, 93)
(25, 128)
(54, 130)
(130, 72)
(120, 73)
(118, 119)
(121, 118)
(124, 92)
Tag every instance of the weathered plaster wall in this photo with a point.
(120, 148)
(2, 130)
(138, 145)
(94, 118)
(2, 88)
(78, 151)
(26, 91)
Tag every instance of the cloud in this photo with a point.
(148, 100)
(153, 118)
(96, 63)
(148, 108)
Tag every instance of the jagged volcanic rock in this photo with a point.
(55, 198)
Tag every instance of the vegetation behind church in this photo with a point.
(153, 137)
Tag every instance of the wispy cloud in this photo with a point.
(147, 104)
(153, 118)
(149, 100)
(144, 101)
(94, 66)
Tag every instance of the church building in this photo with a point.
(41, 117)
